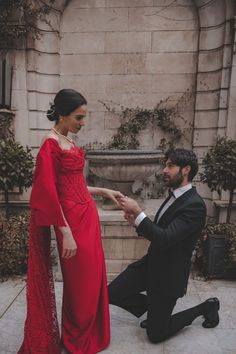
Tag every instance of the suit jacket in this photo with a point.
(172, 243)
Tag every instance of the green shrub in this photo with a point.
(14, 233)
(219, 169)
(16, 168)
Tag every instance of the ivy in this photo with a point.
(18, 19)
(134, 120)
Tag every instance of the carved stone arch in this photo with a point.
(213, 113)
(213, 72)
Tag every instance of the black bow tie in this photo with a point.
(171, 193)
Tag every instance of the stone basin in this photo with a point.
(124, 166)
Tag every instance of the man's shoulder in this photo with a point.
(195, 198)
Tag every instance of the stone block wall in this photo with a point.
(131, 52)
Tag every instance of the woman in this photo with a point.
(61, 198)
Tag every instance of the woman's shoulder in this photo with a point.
(50, 143)
(50, 138)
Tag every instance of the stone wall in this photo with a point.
(130, 53)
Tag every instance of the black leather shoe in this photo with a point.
(212, 315)
(143, 324)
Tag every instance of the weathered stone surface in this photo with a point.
(112, 121)
(38, 120)
(174, 41)
(86, 64)
(47, 43)
(212, 14)
(227, 57)
(52, 22)
(78, 43)
(209, 81)
(134, 63)
(212, 37)
(207, 119)
(124, 248)
(129, 84)
(75, 4)
(207, 100)
(204, 137)
(85, 84)
(210, 61)
(129, 3)
(42, 83)
(172, 82)
(94, 19)
(151, 19)
(43, 62)
(176, 3)
(167, 63)
(126, 42)
(39, 101)
(119, 231)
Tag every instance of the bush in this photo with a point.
(14, 234)
(226, 229)
(219, 169)
(16, 168)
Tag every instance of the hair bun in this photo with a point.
(52, 113)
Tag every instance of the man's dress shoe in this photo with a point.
(212, 316)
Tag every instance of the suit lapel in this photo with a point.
(177, 203)
(159, 210)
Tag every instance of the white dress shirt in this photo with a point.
(177, 193)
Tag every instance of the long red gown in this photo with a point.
(59, 181)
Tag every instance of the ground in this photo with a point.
(126, 335)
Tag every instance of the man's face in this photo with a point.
(172, 175)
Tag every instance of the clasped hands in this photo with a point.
(130, 207)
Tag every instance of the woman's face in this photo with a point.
(75, 120)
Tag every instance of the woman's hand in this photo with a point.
(115, 196)
(69, 245)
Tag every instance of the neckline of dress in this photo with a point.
(64, 150)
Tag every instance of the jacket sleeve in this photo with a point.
(44, 199)
(187, 222)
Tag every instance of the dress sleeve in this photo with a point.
(44, 199)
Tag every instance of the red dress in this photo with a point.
(59, 180)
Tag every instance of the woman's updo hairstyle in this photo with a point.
(65, 102)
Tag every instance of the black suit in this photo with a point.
(164, 271)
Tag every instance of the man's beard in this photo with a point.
(175, 181)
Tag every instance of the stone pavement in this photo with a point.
(126, 335)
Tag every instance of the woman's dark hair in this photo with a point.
(183, 158)
(65, 102)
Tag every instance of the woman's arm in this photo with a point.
(106, 193)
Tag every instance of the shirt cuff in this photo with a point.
(139, 218)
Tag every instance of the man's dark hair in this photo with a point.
(183, 158)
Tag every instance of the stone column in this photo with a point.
(231, 121)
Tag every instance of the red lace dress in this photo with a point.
(59, 180)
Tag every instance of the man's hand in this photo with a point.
(130, 206)
(130, 218)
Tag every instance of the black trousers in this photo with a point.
(125, 292)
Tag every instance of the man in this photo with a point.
(164, 271)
